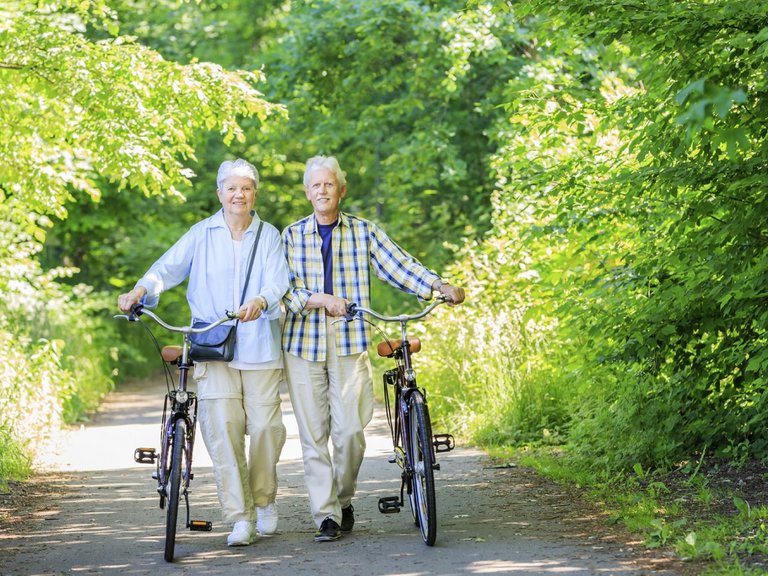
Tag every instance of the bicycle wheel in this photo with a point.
(174, 485)
(420, 439)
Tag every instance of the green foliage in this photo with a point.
(89, 115)
(112, 108)
(629, 171)
(14, 464)
(402, 92)
(57, 364)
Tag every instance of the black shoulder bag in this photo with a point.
(218, 344)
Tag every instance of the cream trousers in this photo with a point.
(231, 404)
(331, 400)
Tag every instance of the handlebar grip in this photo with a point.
(136, 310)
(351, 311)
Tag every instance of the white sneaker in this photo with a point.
(266, 519)
(242, 534)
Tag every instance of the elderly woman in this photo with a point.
(240, 397)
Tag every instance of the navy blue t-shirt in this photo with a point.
(327, 251)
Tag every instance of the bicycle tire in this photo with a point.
(174, 485)
(423, 479)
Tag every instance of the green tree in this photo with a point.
(403, 93)
(406, 108)
(631, 172)
(85, 110)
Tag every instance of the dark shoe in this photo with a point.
(329, 531)
(347, 518)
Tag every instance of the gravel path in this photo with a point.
(95, 512)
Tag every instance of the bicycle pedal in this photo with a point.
(392, 459)
(154, 475)
(200, 526)
(443, 442)
(145, 455)
(389, 504)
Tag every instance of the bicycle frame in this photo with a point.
(183, 405)
(403, 380)
(414, 444)
(177, 431)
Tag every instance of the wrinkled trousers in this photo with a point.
(331, 400)
(231, 404)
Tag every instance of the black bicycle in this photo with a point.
(414, 444)
(177, 430)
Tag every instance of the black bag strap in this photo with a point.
(250, 263)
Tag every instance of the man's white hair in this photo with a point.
(327, 163)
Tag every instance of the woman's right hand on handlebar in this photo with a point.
(125, 301)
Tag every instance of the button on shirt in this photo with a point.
(206, 255)
(358, 246)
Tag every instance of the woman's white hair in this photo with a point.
(327, 163)
(237, 167)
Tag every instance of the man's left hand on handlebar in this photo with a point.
(453, 294)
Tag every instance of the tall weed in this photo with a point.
(482, 366)
(58, 360)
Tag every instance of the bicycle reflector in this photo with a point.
(200, 526)
(145, 455)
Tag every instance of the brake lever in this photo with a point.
(133, 316)
(349, 316)
(351, 312)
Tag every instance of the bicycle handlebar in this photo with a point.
(354, 309)
(139, 310)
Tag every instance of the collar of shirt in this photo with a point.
(312, 226)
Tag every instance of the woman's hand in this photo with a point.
(252, 309)
(125, 301)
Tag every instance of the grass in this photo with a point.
(701, 514)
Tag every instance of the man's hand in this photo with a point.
(453, 294)
(333, 305)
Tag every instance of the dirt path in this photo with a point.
(95, 512)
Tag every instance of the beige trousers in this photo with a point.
(231, 404)
(331, 400)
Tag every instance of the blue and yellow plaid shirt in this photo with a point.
(358, 246)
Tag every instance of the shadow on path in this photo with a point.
(104, 517)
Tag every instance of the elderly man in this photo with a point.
(330, 255)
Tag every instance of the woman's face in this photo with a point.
(237, 196)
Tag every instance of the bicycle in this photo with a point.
(414, 445)
(177, 429)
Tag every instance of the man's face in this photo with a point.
(325, 195)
